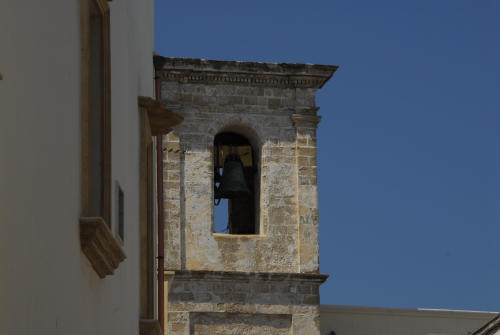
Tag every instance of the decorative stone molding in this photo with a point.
(162, 118)
(100, 246)
(249, 276)
(149, 327)
(301, 120)
(283, 75)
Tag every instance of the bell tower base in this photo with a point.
(221, 302)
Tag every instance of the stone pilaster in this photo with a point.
(172, 201)
(307, 191)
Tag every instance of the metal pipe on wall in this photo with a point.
(158, 64)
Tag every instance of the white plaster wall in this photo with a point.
(47, 285)
(354, 320)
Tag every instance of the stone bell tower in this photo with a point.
(261, 274)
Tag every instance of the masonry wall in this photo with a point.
(286, 154)
(47, 285)
(243, 303)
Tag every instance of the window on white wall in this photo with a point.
(96, 128)
(97, 241)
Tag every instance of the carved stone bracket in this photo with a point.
(168, 276)
(100, 246)
(162, 118)
(310, 121)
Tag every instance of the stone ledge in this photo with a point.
(290, 75)
(149, 327)
(162, 117)
(100, 246)
(238, 236)
(249, 276)
(300, 120)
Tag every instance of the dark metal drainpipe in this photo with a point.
(158, 62)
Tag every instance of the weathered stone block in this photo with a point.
(273, 103)
(239, 323)
(250, 100)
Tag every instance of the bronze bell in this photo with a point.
(232, 183)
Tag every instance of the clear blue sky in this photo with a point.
(409, 144)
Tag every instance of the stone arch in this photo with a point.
(248, 137)
(254, 136)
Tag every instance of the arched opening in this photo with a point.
(235, 185)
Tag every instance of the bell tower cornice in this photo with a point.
(279, 75)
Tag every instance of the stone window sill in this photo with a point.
(100, 246)
(242, 236)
